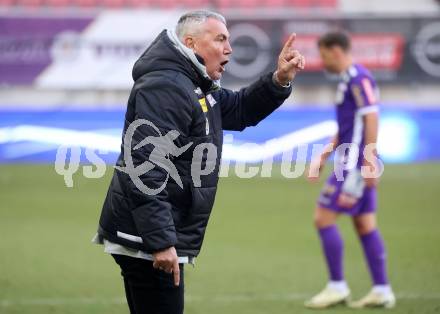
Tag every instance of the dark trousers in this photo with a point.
(149, 290)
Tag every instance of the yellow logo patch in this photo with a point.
(202, 102)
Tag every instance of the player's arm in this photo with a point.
(318, 162)
(365, 96)
(328, 149)
(251, 104)
(371, 123)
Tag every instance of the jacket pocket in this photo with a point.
(202, 199)
(122, 211)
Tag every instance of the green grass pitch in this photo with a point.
(260, 255)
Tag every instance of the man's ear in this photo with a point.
(189, 42)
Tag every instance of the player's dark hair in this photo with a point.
(332, 39)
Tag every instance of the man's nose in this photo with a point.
(228, 48)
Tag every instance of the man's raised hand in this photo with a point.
(290, 62)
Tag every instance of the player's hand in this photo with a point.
(314, 170)
(290, 62)
(346, 200)
(168, 261)
(370, 173)
(371, 182)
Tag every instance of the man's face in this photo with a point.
(212, 44)
(332, 58)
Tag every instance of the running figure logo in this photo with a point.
(160, 156)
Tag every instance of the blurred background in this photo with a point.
(65, 76)
(68, 63)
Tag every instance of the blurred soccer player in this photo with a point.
(351, 192)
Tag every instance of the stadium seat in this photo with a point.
(173, 4)
(111, 3)
(194, 3)
(277, 3)
(136, 3)
(250, 4)
(311, 3)
(58, 3)
(164, 4)
(85, 3)
(7, 3)
(30, 3)
(300, 3)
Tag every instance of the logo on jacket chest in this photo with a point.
(211, 100)
(208, 99)
(203, 102)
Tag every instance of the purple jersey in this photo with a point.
(356, 96)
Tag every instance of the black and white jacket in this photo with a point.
(169, 91)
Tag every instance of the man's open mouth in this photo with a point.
(222, 65)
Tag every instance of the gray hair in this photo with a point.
(190, 22)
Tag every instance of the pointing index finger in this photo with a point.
(289, 42)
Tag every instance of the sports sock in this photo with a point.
(333, 248)
(340, 286)
(382, 289)
(375, 255)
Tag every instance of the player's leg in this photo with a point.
(332, 245)
(373, 246)
(331, 242)
(375, 255)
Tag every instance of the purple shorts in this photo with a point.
(328, 198)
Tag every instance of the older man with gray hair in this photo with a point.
(177, 91)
